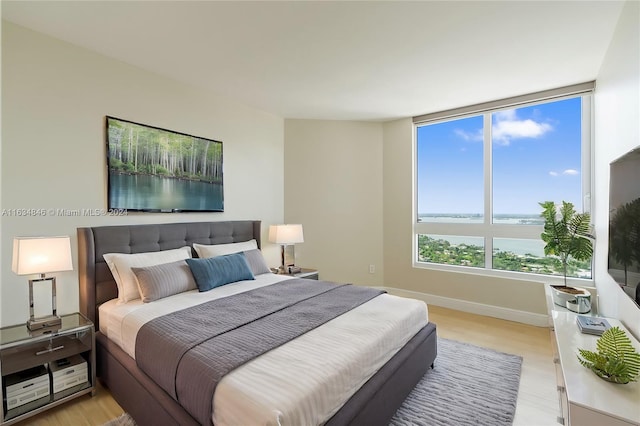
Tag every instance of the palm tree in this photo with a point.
(566, 234)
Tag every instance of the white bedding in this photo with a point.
(303, 382)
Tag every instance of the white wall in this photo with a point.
(333, 186)
(54, 100)
(617, 108)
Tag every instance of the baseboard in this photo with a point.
(539, 320)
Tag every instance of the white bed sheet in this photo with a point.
(303, 382)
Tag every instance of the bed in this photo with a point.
(374, 402)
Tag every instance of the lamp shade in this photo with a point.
(286, 234)
(39, 255)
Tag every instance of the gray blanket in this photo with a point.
(188, 352)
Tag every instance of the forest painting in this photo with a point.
(153, 169)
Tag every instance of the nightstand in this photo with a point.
(40, 371)
(310, 274)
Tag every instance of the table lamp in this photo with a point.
(286, 236)
(41, 255)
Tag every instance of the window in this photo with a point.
(481, 172)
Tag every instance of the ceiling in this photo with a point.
(343, 60)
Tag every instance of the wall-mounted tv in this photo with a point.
(624, 223)
(156, 170)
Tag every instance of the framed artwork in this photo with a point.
(157, 170)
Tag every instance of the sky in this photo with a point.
(535, 153)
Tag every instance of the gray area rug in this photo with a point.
(469, 385)
(123, 420)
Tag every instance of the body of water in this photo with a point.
(512, 245)
(148, 192)
(521, 247)
(516, 246)
(504, 219)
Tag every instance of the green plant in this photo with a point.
(624, 235)
(616, 360)
(566, 233)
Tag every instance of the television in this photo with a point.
(624, 223)
(157, 170)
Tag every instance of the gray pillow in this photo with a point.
(164, 280)
(256, 262)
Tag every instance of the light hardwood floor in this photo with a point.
(537, 398)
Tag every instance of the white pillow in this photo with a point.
(215, 250)
(120, 265)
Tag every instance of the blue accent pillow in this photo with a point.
(217, 271)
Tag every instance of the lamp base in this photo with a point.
(292, 269)
(50, 322)
(288, 270)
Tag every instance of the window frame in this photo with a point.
(487, 229)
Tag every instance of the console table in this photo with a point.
(585, 399)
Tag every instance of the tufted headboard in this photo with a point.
(96, 282)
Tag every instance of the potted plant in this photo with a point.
(567, 236)
(616, 360)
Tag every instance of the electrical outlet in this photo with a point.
(372, 269)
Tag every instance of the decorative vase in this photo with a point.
(563, 295)
(610, 379)
(581, 304)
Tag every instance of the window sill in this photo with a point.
(518, 276)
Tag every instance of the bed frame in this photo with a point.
(373, 404)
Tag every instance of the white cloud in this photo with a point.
(567, 172)
(509, 114)
(470, 136)
(508, 126)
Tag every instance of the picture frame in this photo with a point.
(151, 169)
